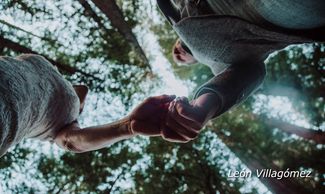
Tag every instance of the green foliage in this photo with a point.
(269, 147)
(63, 32)
(77, 41)
(299, 74)
(17, 157)
(186, 168)
(94, 172)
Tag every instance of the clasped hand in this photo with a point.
(176, 120)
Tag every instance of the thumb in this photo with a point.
(145, 128)
(186, 110)
(162, 99)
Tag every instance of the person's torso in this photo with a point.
(290, 14)
(35, 100)
(237, 31)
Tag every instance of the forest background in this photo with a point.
(121, 51)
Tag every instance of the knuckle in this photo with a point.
(186, 141)
(150, 99)
(186, 138)
(193, 135)
(181, 110)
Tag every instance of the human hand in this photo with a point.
(147, 118)
(184, 120)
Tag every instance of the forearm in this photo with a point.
(93, 138)
(234, 85)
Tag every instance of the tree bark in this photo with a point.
(284, 185)
(316, 136)
(4, 42)
(274, 88)
(115, 15)
(91, 13)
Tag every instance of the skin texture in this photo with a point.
(181, 56)
(174, 120)
(146, 119)
(185, 119)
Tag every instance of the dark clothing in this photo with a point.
(235, 50)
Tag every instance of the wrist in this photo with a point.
(212, 103)
(126, 128)
(216, 104)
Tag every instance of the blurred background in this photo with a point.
(122, 51)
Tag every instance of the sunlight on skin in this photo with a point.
(98, 110)
(172, 85)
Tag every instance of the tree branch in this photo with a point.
(22, 49)
(114, 182)
(317, 136)
(91, 13)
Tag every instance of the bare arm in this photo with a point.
(186, 119)
(75, 139)
(145, 119)
(234, 85)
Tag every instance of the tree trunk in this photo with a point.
(316, 136)
(91, 13)
(22, 49)
(284, 185)
(115, 15)
(310, 134)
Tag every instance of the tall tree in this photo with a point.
(6, 43)
(316, 135)
(113, 12)
(259, 147)
(84, 38)
(89, 79)
(298, 73)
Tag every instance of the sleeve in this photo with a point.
(234, 85)
(171, 14)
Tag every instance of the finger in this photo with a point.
(183, 99)
(187, 111)
(163, 98)
(145, 128)
(171, 106)
(170, 135)
(163, 118)
(164, 107)
(186, 128)
(187, 123)
(186, 133)
(194, 126)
